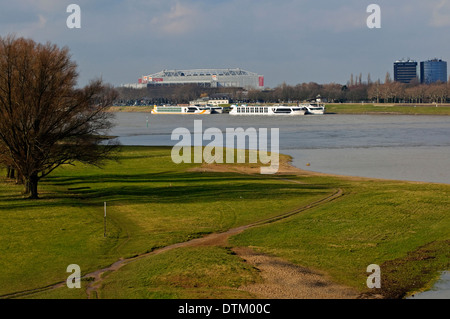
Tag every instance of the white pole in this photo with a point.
(104, 218)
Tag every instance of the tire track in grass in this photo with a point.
(96, 278)
(214, 239)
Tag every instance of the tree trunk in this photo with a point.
(32, 185)
(10, 172)
(19, 179)
(27, 190)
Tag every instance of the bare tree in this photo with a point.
(442, 91)
(333, 92)
(45, 121)
(412, 94)
(387, 78)
(422, 92)
(433, 93)
(397, 91)
(374, 91)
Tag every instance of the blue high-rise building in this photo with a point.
(433, 71)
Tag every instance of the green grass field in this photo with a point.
(153, 203)
(408, 109)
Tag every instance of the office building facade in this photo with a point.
(432, 71)
(405, 71)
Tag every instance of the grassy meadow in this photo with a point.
(405, 109)
(152, 203)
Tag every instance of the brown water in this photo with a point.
(414, 148)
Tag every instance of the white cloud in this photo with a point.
(42, 21)
(441, 14)
(179, 20)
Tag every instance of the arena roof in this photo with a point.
(235, 77)
(203, 72)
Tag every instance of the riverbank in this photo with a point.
(333, 226)
(389, 109)
(143, 109)
(356, 109)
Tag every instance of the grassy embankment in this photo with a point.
(152, 203)
(406, 109)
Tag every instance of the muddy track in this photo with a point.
(96, 278)
(214, 239)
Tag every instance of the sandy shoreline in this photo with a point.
(287, 168)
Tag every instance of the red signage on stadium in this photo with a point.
(157, 79)
(261, 81)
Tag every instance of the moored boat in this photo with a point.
(169, 109)
(314, 108)
(267, 110)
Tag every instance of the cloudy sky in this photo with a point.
(290, 41)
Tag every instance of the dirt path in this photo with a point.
(284, 280)
(281, 280)
(220, 239)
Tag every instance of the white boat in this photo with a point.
(214, 109)
(180, 110)
(267, 110)
(314, 108)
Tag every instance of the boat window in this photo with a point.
(283, 110)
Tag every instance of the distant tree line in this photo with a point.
(355, 91)
(377, 92)
(180, 94)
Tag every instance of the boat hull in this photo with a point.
(181, 110)
(267, 111)
(315, 109)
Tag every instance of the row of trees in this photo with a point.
(179, 94)
(376, 92)
(388, 92)
(45, 121)
(396, 92)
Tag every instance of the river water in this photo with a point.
(440, 290)
(411, 148)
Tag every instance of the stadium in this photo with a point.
(213, 78)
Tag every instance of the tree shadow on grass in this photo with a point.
(196, 194)
(164, 187)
